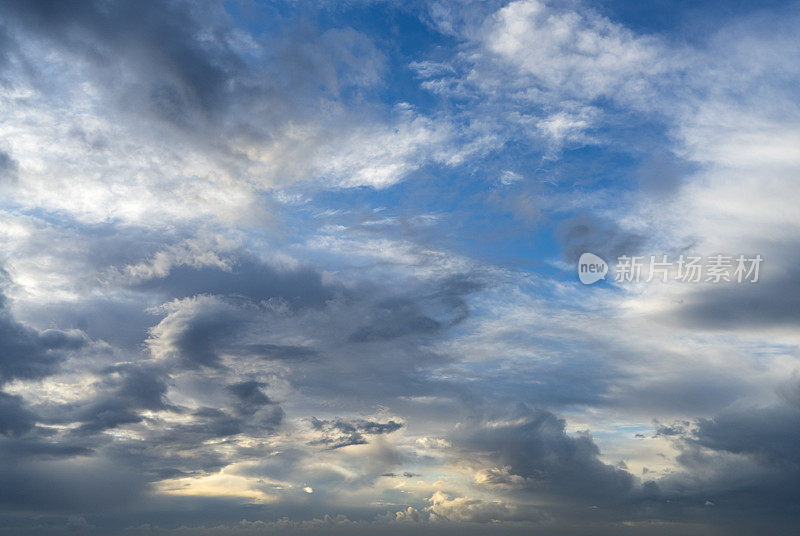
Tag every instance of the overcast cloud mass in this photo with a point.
(306, 267)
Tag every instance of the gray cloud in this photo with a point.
(182, 74)
(51, 485)
(28, 353)
(249, 395)
(338, 433)
(197, 364)
(8, 168)
(421, 315)
(280, 352)
(770, 435)
(742, 461)
(582, 233)
(533, 444)
(768, 303)
(301, 287)
(662, 174)
(126, 390)
(186, 64)
(15, 419)
(396, 318)
(253, 403)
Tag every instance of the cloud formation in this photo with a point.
(302, 267)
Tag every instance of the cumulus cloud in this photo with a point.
(534, 447)
(578, 53)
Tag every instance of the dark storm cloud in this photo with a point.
(190, 449)
(338, 433)
(22, 439)
(770, 302)
(120, 401)
(15, 419)
(201, 330)
(252, 403)
(389, 362)
(59, 485)
(770, 435)
(210, 422)
(39, 446)
(745, 462)
(534, 445)
(249, 395)
(161, 450)
(126, 390)
(178, 450)
(585, 233)
(737, 467)
(28, 353)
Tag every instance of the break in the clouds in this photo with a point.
(309, 267)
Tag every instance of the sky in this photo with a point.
(305, 267)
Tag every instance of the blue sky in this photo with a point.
(310, 267)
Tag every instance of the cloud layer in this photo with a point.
(309, 268)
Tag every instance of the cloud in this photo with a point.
(576, 53)
(251, 401)
(127, 391)
(29, 353)
(182, 74)
(15, 419)
(243, 276)
(198, 109)
(8, 168)
(584, 233)
(742, 460)
(340, 433)
(280, 234)
(395, 318)
(193, 330)
(764, 304)
(767, 434)
(533, 445)
(471, 510)
(49, 485)
(548, 73)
